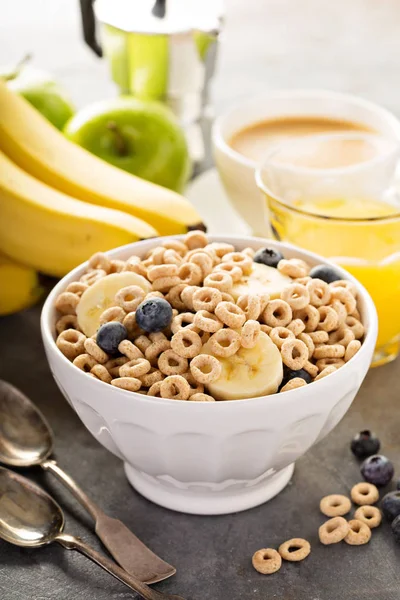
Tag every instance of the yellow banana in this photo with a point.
(19, 286)
(41, 150)
(51, 232)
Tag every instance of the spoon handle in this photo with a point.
(130, 552)
(72, 543)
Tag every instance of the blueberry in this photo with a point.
(325, 272)
(110, 335)
(365, 444)
(154, 314)
(391, 505)
(289, 374)
(377, 469)
(268, 256)
(396, 529)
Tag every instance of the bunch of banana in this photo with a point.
(19, 286)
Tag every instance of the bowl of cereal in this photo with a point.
(209, 365)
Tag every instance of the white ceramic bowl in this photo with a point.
(209, 458)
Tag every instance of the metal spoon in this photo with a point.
(31, 518)
(27, 440)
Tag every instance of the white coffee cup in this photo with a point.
(237, 172)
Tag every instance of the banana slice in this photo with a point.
(249, 373)
(100, 296)
(262, 280)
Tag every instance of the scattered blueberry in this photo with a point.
(377, 469)
(391, 505)
(325, 272)
(289, 374)
(268, 256)
(110, 335)
(154, 314)
(396, 529)
(365, 444)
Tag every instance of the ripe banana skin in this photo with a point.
(53, 233)
(19, 286)
(41, 150)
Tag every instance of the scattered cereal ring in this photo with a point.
(329, 351)
(345, 297)
(206, 298)
(220, 281)
(135, 265)
(114, 313)
(190, 273)
(355, 326)
(93, 276)
(170, 363)
(67, 302)
(293, 384)
(249, 334)
(241, 260)
(159, 343)
(164, 284)
(203, 260)
(296, 296)
(182, 321)
(311, 368)
(230, 314)
(249, 252)
(307, 340)
(171, 257)
(153, 376)
(364, 493)
(329, 319)
(176, 245)
(84, 362)
(205, 368)
(135, 368)
(277, 313)
(294, 354)
(174, 297)
(155, 389)
(207, 321)
(129, 298)
(325, 372)
(71, 343)
(130, 350)
(333, 531)
(266, 328)
(319, 337)
(101, 373)
(200, 397)
(358, 534)
(340, 309)
(352, 350)
(293, 267)
(77, 287)
(322, 363)
(296, 326)
(127, 383)
(370, 515)
(295, 550)
(142, 342)
(303, 280)
(67, 322)
(196, 239)
(94, 350)
(342, 336)
(267, 561)
(116, 266)
(310, 317)
(221, 248)
(250, 305)
(195, 386)
(279, 335)
(114, 365)
(132, 327)
(187, 296)
(234, 271)
(174, 387)
(186, 343)
(335, 505)
(99, 261)
(320, 292)
(225, 342)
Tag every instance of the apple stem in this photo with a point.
(119, 140)
(18, 66)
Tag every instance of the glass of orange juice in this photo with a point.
(335, 195)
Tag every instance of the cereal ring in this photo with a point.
(176, 245)
(129, 298)
(77, 287)
(234, 271)
(340, 309)
(154, 389)
(327, 371)
(266, 561)
(67, 322)
(294, 354)
(295, 550)
(296, 296)
(190, 273)
(230, 314)
(174, 297)
(187, 295)
(153, 376)
(164, 284)
(135, 265)
(206, 298)
(171, 257)
(227, 298)
(221, 248)
(250, 333)
(292, 384)
(359, 533)
(364, 493)
(130, 350)
(142, 342)
(319, 337)
(127, 383)
(297, 327)
(182, 321)
(200, 397)
(303, 280)
(135, 368)
(307, 340)
(329, 319)
(84, 362)
(355, 326)
(370, 515)
(320, 292)
(195, 386)
(345, 283)
(114, 313)
(159, 344)
(345, 297)
(333, 531)
(266, 328)
(101, 373)
(335, 505)
(249, 252)
(71, 343)
(312, 369)
(279, 335)
(310, 317)
(114, 365)
(116, 266)
(170, 363)
(220, 281)
(99, 261)
(203, 260)
(277, 313)
(67, 302)
(132, 327)
(250, 305)
(293, 267)
(352, 350)
(322, 363)
(225, 342)
(329, 351)
(93, 276)
(356, 314)
(174, 387)
(205, 368)
(186, 343)
(207, 321)
(94, 350)
(196, 239)
(240, 260)
(342, 336)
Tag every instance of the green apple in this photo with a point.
(40, 90)
(141, 137)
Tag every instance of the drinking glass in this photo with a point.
(349, 212)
